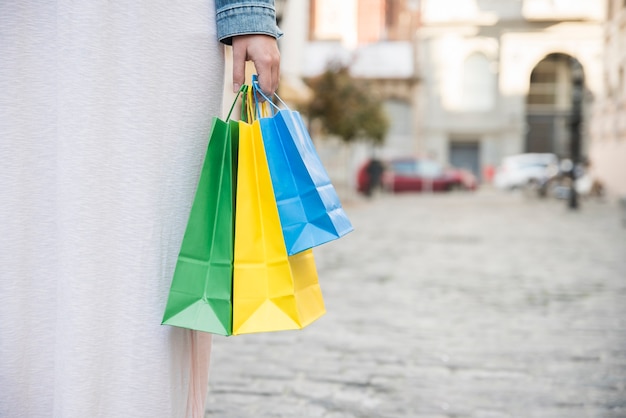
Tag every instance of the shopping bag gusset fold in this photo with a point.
(272, 291)
(310, 211)
(200, 295)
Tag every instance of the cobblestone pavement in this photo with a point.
(462, 305)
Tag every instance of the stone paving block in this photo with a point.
(455, 305)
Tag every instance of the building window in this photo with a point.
(399, 114)
(609, 9)
(478, 84)
(550, 83)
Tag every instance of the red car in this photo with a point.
(411, 174)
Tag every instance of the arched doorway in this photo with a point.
(549, 104)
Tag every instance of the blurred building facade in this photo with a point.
(608, 146)
(375, 39)
(497, 77)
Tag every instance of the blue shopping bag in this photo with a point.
(308, 205)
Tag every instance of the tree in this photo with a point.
(346, 107)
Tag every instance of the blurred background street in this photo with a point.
(465, 304)
(479, 147)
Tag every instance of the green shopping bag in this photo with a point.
(200, 296)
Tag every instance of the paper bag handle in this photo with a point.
(243, 89)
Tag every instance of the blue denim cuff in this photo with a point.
(245, 18)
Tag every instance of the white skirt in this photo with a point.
(105, 110)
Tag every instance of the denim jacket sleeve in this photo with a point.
(245, 17)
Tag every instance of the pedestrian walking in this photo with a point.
(105, 112)
(375, 169)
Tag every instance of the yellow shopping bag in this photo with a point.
(271, 290)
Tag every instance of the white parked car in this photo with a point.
(517, 171)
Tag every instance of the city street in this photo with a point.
(481, 305)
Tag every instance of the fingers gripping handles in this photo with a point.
(260, 108)
(251, 107)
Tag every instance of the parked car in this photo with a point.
(522, 170)
(412, 174)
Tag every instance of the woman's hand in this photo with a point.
(262, 50)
